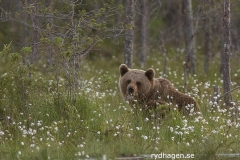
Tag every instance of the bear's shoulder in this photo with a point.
(162, 82)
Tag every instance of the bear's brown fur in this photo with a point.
(138, 86)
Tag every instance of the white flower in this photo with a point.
(138, 128)
(39, 123)
(80, 146)
(196, 120)
(117, 127)
(1, 133)
(184, 121)
(32, 145)
(144, 137)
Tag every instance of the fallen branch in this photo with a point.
(227, 93)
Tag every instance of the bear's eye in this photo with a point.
(138, 84)
(128, 81)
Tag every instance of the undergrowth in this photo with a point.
(40, 121)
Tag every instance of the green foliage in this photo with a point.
(26, 50)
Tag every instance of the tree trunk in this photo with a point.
(189, 66)
(36, 35)
(162, 48)
(189, 37)
(225, 66)
(50, 29)
(24, 29)
(143, 33)
(207, 30)
(128, 46)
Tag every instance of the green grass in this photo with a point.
(44, 124)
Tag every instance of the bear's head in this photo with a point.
(135, 84)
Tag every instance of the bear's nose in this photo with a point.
(130, 89)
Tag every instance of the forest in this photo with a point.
(59, 78)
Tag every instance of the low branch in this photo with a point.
(228, 92)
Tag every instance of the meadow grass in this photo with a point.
(40, 122)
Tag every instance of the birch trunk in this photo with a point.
(225, 66)
(128, 45)
(143, 33)
(189, 65)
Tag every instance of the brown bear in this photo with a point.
(140, 87)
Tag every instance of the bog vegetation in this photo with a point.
(41, 121)
(69, 106)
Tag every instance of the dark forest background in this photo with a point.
(27, 23)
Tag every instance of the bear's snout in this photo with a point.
(130, 89)
(131, 93)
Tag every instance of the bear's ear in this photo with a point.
(150, 73)
(123, 69)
